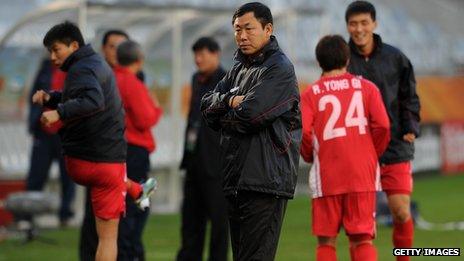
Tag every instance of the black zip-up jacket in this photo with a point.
(393, 74)
(202, 144)
(91, 109)
(260, 139)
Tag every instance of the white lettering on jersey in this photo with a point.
(336, 85)
(356, 83)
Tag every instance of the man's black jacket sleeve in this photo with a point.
(55, 99)
(214, 104)
(273, 95)
(408, 100)
(85, 96)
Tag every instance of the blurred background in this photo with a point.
(429, 32)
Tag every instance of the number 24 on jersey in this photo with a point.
(354, 116)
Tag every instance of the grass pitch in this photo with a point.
(440, 199)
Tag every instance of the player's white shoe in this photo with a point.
(144, 203)
(148, 187)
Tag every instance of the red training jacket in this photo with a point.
(141, 112)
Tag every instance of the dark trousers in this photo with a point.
(130, 246)
(47, 148)
(203, 201)
(88, 240)
(255, 223)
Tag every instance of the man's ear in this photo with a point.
(74, 45)
(268, 29)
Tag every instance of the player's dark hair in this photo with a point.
(359, 7)
(66, 32)
(206, 43)
(109, 33)
(332, 52)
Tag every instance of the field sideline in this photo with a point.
(440, 199)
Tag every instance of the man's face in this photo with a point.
(206, 61)
(361, 29)
(110, 48)
(250, 35)
(59, 52)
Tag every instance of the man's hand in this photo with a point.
(49, 117)
(40, 97)
(409, 137)
(235, 101)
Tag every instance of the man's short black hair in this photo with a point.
(261, 12)
(332, 52)
(109, 33)
(359, 7)
(66, 32)
(206, 43)
(129, 52)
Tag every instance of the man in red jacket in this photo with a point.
(141, 114)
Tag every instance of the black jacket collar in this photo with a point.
(377, 46)
(264, 53)
(80, 53)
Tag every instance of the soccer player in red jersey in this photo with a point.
(93, 133)
(345, 130)
(391, 71)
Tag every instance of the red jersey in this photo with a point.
(140, 112)
(345, 129)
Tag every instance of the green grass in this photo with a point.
(440, 199)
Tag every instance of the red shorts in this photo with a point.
(106, 182)
(396, 178)
(355, 211)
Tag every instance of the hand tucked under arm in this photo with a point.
(235, 101)
(49, 117)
